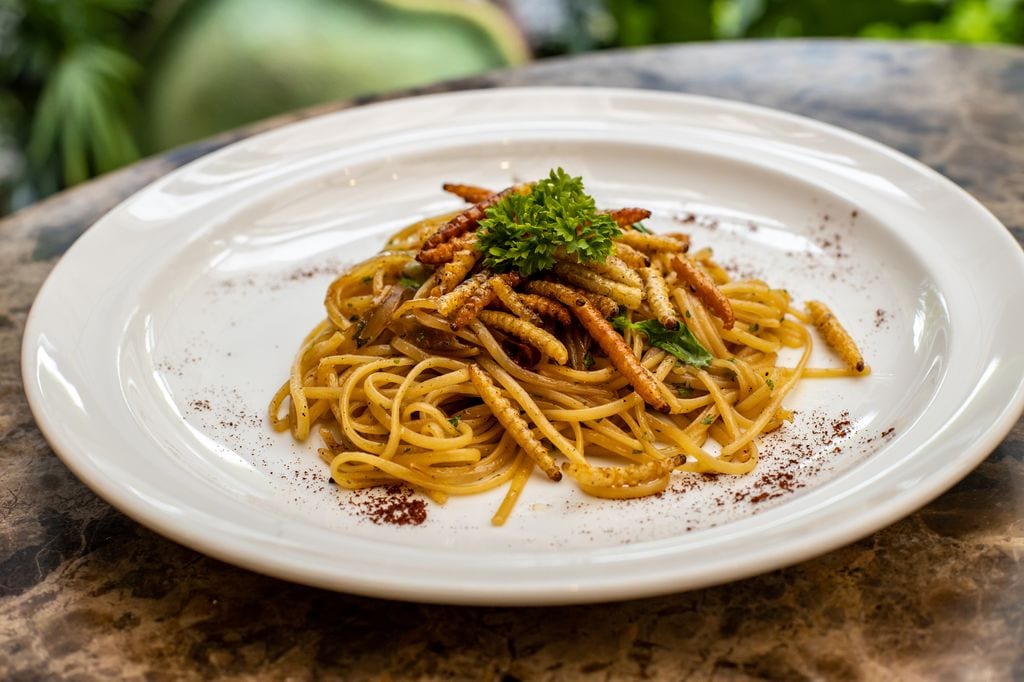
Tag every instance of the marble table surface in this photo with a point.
(87, 593)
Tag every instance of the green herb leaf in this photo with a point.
(771, 384)
(707, 421)
(680, 342)
(524, 231)
(684, 391)
(640, 227)
(454, 421)
(588, 360)
(409, 282)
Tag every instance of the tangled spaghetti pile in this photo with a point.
(480, 345)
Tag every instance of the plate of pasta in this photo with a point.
(531, 346)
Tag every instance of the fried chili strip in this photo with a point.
(585, 278)
(835, 335)
(470, 193)
(627, 217)
(653, 242)
(614, 346)
(658, 298)
(545, 307)
(508, 416)
(629, 475)
(535, 336)
(480, 298)
(460, 224)
(632, 257)
(704, 287)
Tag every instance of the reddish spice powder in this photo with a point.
(393, 505)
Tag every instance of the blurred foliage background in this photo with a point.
(87, 86)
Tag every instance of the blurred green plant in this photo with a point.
(641, 22)
(68, 103)
(87, 86)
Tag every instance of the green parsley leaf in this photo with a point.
(409, 282)
(454, 421)
(707, 421)
(680, 342)
(588, 360)
(524, 231)
(771, 384)
(754, 328)
(684, 391)
(640, 227)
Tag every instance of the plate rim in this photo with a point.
(869, 522)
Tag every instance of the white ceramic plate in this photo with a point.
(154, 346)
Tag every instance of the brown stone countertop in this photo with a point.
(86, 593)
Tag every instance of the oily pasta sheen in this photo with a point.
(432, 370)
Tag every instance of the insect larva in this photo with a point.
(460, 224)
(535, 336)
(479, 299)
(835, 335)
(585, 278)
(614, 346)
(454, 299)
(652, 242)
(508, 416)
(470, 193)
(631, 474)
(705, 288)
(658, 298)
(627, 217)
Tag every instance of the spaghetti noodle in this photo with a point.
(435, 369)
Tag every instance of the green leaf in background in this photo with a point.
(66, 66)
(83, 113)
(229, 62)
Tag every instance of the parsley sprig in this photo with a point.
(524, 231)
(679, 342)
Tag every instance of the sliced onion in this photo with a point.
(380, 315)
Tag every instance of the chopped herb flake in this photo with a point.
(409, 283)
